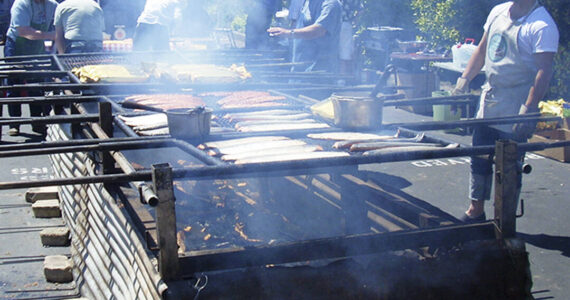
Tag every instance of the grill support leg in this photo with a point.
(168, 264)
(106, 123)
(506, 181)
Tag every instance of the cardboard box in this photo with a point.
(558, 153)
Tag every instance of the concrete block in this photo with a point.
(58, 268)
(46, 209)
(41, 193)
(54, 237)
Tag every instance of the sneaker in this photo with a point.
(13, 131)
(469, 220)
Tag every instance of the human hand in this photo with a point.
(277, 31)
(524, 130)
(460, 88)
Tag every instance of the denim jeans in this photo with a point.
(482, 166)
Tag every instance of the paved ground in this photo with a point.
(21, 251)
(443, 183)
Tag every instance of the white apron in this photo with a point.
(509, 79)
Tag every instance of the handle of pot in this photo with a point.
(381, 84)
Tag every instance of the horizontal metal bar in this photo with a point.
(50, 99)
(112, 146)
(76, 142)
(50, 119)
(137, 87)
(345, 246)
(459, 99)
(33, 73)
(437, 125)
(227, 171)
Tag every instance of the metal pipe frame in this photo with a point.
(438, 125)
(51, 119)
(151, 86)
(310, 166)
(52, 100)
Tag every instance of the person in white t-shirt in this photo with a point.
(517, 50)
(154, 24)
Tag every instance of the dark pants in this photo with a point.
(15, 110)
(151, 37)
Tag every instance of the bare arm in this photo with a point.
(544, 62)
(34, 34)
(59, 39)
(306, 33)
(477, 60)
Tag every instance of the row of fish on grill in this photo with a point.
(256, 121)
(259, 149)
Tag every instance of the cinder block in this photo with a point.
(58, 268)
(46, 209)
(54, 237)
(41, 193)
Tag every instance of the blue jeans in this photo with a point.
(482, 166)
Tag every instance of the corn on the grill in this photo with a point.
(109, 73)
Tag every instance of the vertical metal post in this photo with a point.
(506, 181)
(75, 128)
(106, 123)
(165, 221)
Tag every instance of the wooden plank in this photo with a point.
(506, 190)
(165, 221)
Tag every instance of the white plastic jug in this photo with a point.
(462, 53)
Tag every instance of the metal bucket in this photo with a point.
(189, 123)
(357, 112)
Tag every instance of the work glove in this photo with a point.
(460, 88)
(523, 131)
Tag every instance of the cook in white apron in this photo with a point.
(509, 80)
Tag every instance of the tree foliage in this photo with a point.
(560, 85)
(435, 21)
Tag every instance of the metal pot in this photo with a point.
(189, 123)
(357, 112)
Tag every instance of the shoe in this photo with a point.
(13, 131)
(469, 220)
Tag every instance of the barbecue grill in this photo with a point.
(101, 162)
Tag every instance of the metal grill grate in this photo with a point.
(70, 62)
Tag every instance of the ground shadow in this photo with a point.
(544, 241)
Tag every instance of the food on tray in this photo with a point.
(292, 156)
(418, 147)
(282, 126)
(261, 117)
(163, 101)
(109, 73)
(347, 135)
(240, 141)
(243, 99)
(382, 145)
(154, 132)
(255, 147)
(273, 151)
(203, 73)
(242, 124)
(348, 143)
